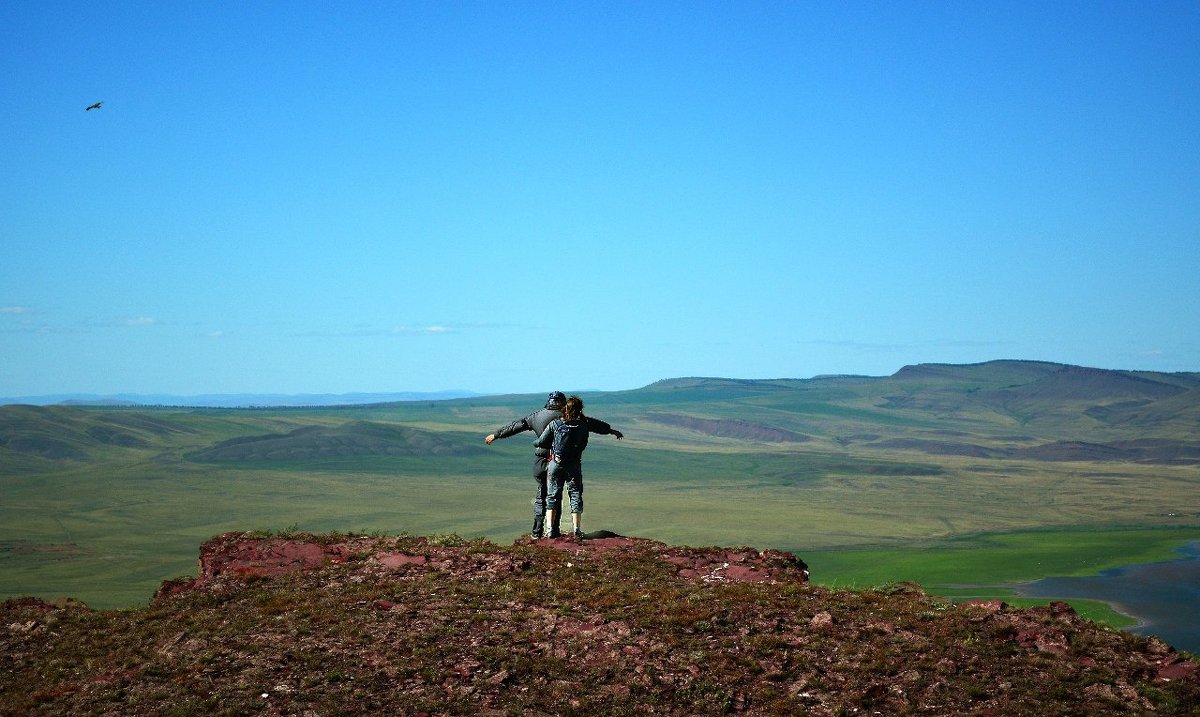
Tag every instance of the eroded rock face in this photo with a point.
(269, 556)
(245, 555)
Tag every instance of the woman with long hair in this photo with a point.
(566, 438)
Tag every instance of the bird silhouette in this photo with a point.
(93, 107)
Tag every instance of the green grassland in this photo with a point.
(950, 476)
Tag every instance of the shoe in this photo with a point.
(578, 534)
(554, 534)
(535, 536)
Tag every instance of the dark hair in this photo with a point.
(573, 409)
(555, 400)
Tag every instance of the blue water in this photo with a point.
(1164, 597)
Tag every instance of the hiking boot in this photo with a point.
(554, 534)
(578, 534)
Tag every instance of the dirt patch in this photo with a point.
(53, 551)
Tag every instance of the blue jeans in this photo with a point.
(570, 475)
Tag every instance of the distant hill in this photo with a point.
(1049, 381)
(61, 433)
(1064, 401)
(990, 374)
(1005, 409)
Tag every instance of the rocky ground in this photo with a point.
(346, 625)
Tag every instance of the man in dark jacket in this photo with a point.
(537, 422)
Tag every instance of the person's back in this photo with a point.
(538, 422)
(570, 440)
(566, 438)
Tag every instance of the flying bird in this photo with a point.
(93, 107)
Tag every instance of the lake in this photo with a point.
(1164, 597)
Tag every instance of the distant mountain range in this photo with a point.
(999, 410)
(234, 400)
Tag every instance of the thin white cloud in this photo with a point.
(90, 324)
(366, 331)
(421, 330)
(15, 310)
(215, 334)
(397, 331)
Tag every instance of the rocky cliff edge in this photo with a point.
(383, 625)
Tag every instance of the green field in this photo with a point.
(963, 479)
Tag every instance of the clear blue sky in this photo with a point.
(506, 197)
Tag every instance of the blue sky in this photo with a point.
(513, 197)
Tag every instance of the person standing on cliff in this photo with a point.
(537, 422)
(566, 438)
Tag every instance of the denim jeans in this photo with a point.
(570, 475)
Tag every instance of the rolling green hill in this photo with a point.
(56, 433)
(355, 438)
(102, 503)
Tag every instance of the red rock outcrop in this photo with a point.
(302, 624)
(243, 554)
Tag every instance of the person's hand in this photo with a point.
(489, 438)
(618, 434)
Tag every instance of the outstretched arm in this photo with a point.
(517, 426)
(595, 425)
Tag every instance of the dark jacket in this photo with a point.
(566, 441)
(537, 422)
